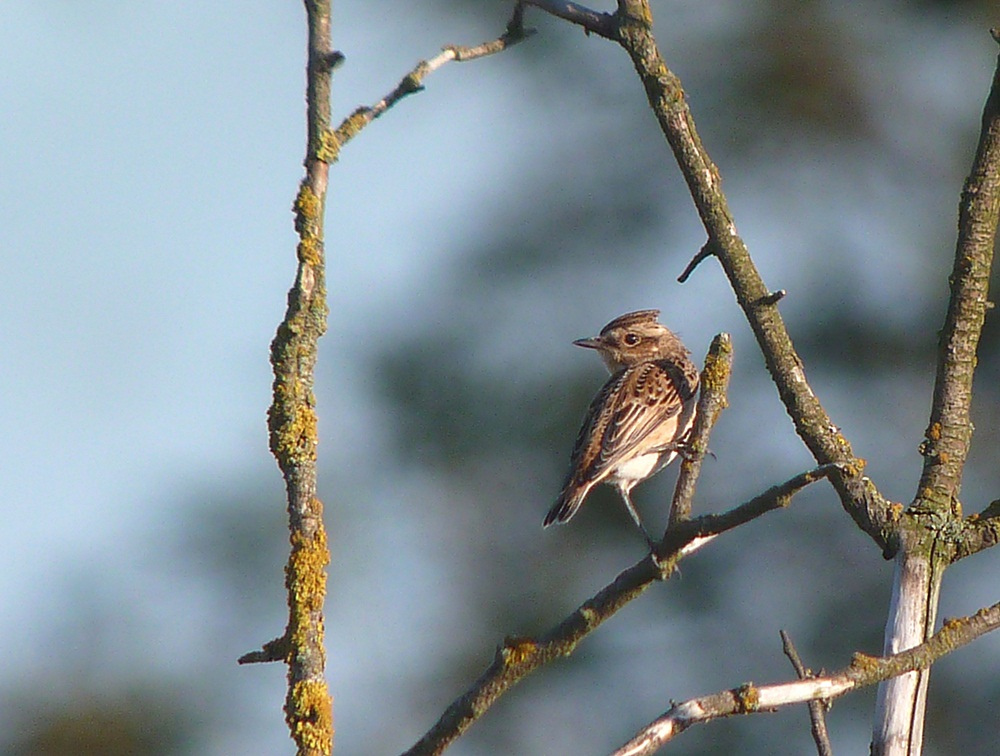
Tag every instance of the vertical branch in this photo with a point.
(711, 401)
(291, 421)
(920, 565)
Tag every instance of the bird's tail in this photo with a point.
(566, 505)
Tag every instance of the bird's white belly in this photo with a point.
(638, 468)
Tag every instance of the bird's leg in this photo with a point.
(683, 449)
(635, 516)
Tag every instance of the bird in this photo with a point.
(639, 421)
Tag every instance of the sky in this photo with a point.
(152, 153)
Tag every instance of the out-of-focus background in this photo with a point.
(150, 153)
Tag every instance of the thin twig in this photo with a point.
(711, 401)
(593, 22)
(520, 656)
(817, 709)
(775, 497)
(771, 298)
(334, 139)
(706, 251)
(863, 671)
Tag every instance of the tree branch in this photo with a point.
(292, 424)
(817, 709)
(828, 445)
(334, 139)
(863, 671)
(869, 509)
(949, 431)
(520, 656)
(711, 401)
(979, 531)
(593, 22)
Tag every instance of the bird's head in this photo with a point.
(634, 338)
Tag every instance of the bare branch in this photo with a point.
(817, 709)
(863, 671)
(949, 431)
(593, 22)
(714, 385)
(520, 656)
(334, 139)
(980, 531)
(872, 512)
(706, 251)
(775, 497)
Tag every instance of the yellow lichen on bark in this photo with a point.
(312, 726)
(306, 571)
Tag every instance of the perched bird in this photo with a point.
(639, 420)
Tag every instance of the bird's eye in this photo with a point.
(631, 339)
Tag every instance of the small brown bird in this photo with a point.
(639, 421)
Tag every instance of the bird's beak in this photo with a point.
(593, 343)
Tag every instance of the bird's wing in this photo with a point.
(645, 415)
(580, 478)
(640, 408)
(637, 408)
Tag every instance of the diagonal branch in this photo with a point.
(946, 441)
(520, 656)
(863, 671)
(334, 139)
(593, 22)
(633, 23)
(870, 510)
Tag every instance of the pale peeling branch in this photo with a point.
(863, 671)
(334, 139)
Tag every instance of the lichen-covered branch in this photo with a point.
(863, 671)
(292, 424)
(714, 389)
(334, 139)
